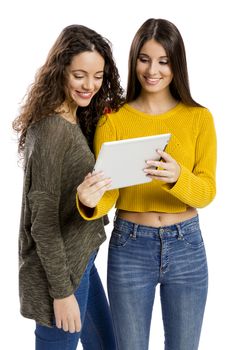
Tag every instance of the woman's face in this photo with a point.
(85, 77)
(153, 68)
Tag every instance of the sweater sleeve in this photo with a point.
(51, 141)
(105, 132)
(197, 188)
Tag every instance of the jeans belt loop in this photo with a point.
(134, 233)
(180, 235)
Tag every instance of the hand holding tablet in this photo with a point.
(123, 161)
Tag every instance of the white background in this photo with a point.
(28, 29)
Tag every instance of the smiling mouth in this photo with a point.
(85, 95)
(152, 81)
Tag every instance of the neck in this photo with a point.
(68, 111)
(154, 103)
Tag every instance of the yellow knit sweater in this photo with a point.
(192, 145)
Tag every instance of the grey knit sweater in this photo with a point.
(55, 243)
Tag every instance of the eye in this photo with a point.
(78, 76)
(143, 59)
(99, 77)
(163, 62)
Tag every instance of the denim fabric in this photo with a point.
(140, 258)
(96, 332)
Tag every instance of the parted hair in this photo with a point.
(167, 35)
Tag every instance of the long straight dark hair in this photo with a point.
(166, 34)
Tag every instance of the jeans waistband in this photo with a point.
(179, 229)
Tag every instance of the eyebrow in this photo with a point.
(144, 54)
(83, 71)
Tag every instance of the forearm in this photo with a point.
(49, 243)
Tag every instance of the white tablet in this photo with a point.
(123, 161)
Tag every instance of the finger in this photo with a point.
(101, 185)
(93, 179)
(77, 325)
(158, 173)
(165, 156)
(71, 325)
(95, 187)
(156, 164)
(87, 176)
(77, 320)
(91, 197)
(58, 323)
(65, 325)
(88, 182)
(94, 195)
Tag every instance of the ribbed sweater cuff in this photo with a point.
(192, 190)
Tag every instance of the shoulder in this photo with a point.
(113, 118)
(203, 121)
(198, 114)
(198, 111)
(50, 133)
(49, 125)
(108, 126)
(50, 129)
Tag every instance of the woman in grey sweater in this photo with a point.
(58, 283)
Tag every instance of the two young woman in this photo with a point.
(156, 237)
(58, 283)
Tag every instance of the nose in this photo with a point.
(88, 84)
(153, 68)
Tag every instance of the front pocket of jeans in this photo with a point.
(118, 238)
(194, 239)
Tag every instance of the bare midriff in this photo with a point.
(156, 219)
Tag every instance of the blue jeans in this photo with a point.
(97, 331)
(140, 257)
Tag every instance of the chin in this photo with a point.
(83, 103)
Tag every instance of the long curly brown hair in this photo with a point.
(47, 93)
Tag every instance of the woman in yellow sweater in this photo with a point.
(156, 237)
